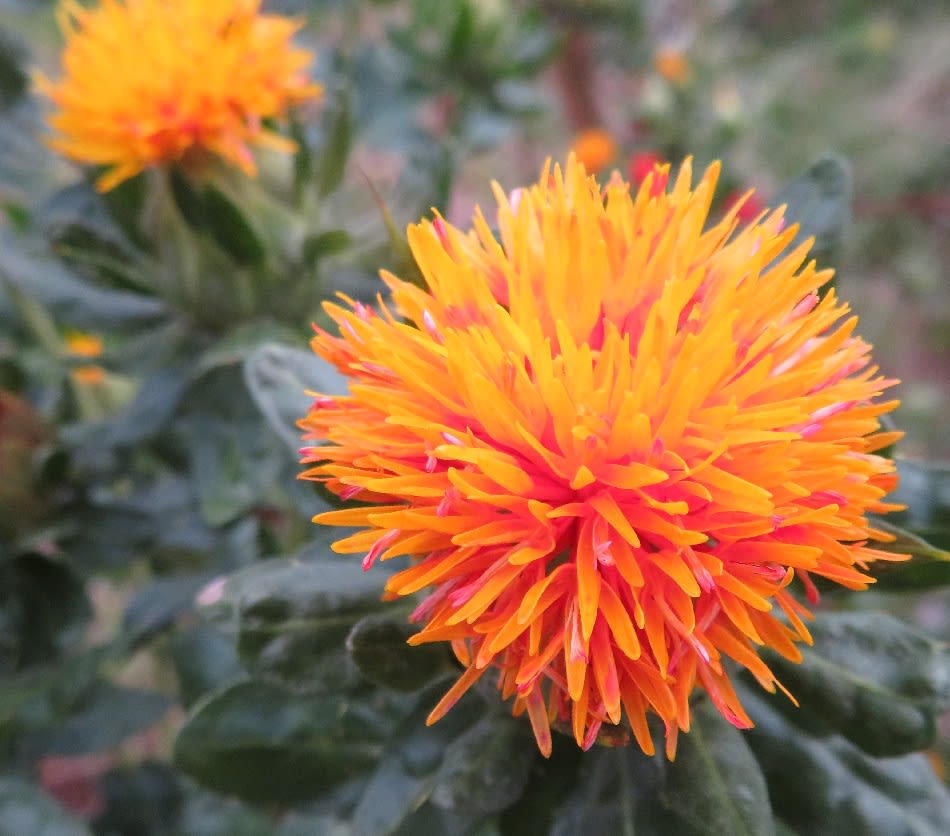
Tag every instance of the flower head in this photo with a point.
(612, 436)
(148, 82)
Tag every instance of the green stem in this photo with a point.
(626, 795)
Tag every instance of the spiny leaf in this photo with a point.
(871, 678)
(715, 785)
(822, 784)
(928, 567)
(266, 744)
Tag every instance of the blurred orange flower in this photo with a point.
(81, 344)
(672, 65)
(611, 435)
(595, 149)
(148, 82)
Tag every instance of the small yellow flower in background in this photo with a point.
(595, 149)
(150, 82)
(614, 437)
(80, 344)
(672, 64)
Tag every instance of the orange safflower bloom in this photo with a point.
(595, 148)
(148, 82)
(610, 436)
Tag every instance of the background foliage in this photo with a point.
(179, 652)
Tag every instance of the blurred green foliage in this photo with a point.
(179, 653)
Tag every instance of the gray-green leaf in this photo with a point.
(873, 679)
(715, 785)
(269, 745)
(819, 200)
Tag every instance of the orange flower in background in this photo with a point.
(672, 64)
(611, 436)
(81, 344)
(148, 82)
(595, 149)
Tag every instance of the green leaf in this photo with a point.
(126, 203)
(291, 614)
(928, 567)
(486, 768)
(391, 794)
(13, 79)
(43, 694)
(229, 226)
(77, 223)
(70, 298)
(141, 798)
(377, 644)
(406, 774)
(43, 610)
(403, 262)
(34, 315)
(25, 810)
(335, 152)
(266, 744)
(146, 415)
(234, 466)
(550, 781)
(873, 679)
(715, 785)
(279, 378)
(819, 200)
(235, 463)
(241, 343)
(460, 38)
(156, 604)
(303, 157)
(323, 244)
(925, 489)
(204, 660)
(823, 785)
(605, 790)
(187, 199)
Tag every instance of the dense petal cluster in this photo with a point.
(148, 82)
(610, 435)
